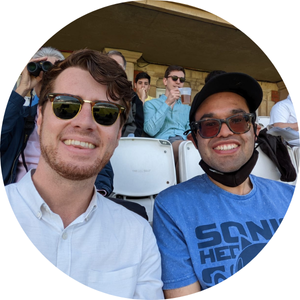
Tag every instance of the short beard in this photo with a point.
(70, 171)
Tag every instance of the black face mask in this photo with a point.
(231, 179)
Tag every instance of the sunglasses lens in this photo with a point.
(175, 78)
(105, 113)
(66, 107)
(239, 123)
(209, 128)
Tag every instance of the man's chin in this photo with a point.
(78, 175)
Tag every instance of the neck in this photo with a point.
(242, 189)
(67, 198)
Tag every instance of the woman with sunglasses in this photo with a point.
(212, 225)
(166, 117)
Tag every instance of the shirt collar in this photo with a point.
(36, 203)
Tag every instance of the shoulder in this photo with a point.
(119, 213)
(155, 101)
(274, 188)
(184, 191)
(277, 184)
(281, 105)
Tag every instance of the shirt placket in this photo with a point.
(64, 250)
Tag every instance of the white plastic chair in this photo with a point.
(143, 167)
(189, 158)
(188, 161)
(263, 120)
(296, 152)
(265, 168)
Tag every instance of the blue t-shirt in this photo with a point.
(207, 234)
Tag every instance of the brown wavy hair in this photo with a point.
(102, 68)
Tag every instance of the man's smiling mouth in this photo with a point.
(226, 147)
(78, 143)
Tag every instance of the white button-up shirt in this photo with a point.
(108, 248)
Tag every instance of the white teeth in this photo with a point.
(226, 147)
(78, 143)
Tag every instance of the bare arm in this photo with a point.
(184, 291)
(285, 125)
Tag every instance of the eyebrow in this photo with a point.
(212, 115)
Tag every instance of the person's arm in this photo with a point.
(174, 251)
(104, 180)
(139, 116)
(142, 94)
(285, 125)
(154, 117)
(279, 116)
(183, 291)
(28, 82)
(13, 114)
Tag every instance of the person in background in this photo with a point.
(142, 86)
(283, 114)
(211, 226)
(20, 146)
(166, 117)
(213, 74)
(135, 122)
(83, 104)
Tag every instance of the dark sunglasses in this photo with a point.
(209, 128)
(175, 78)
(67, 107)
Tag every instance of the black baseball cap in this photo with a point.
(238, 83)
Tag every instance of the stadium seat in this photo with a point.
(143, 167)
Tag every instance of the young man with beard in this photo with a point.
(82, 108)
(211, 226)
(19, 145)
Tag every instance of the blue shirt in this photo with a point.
(163, 122)
(207, 234)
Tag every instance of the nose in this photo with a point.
(85, 119)
(225, 131)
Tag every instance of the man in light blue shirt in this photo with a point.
(166, 117)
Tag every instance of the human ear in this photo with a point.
(39, 120)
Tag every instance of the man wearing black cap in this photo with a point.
(211, 226)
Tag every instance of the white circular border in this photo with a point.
(26, 25)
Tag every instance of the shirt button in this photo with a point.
(65, 236)
(39, 214)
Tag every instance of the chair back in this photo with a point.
(143, 166)
(265, 168)
(188, 160)
(263, 120)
